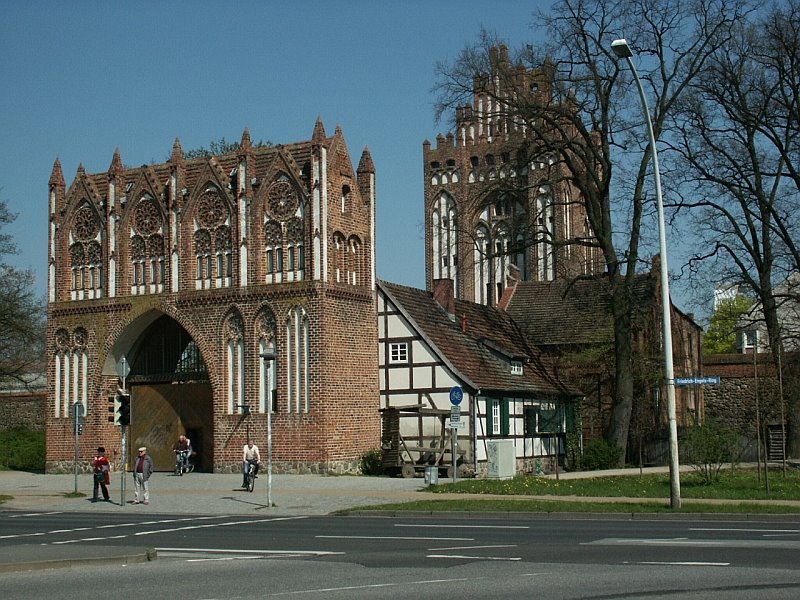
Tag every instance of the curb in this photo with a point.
(36, 558)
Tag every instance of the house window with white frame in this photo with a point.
(398, 352)
(495, 406)
(516, 367)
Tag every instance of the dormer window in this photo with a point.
(516, 367)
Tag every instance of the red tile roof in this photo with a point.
(479, 343)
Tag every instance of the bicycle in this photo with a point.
(252, 469)
(183, 462)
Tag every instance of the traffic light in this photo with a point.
(122, 408)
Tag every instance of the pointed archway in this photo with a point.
(170, 391)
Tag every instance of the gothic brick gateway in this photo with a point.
(193, 270)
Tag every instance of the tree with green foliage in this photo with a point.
(720, 337)
(220, 146)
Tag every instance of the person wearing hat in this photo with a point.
(142, 470)
(102, 477)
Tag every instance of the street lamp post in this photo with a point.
(623, 50)
(268, 356)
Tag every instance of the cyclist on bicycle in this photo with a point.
(183, 448)
(250, 454)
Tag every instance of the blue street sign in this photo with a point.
(456, 395)
(697, 380)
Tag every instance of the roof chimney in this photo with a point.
(443, 294)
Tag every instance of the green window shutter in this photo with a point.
(489, 404)
(504, 420)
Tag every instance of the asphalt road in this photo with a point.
(444, 556)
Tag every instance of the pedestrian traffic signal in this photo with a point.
(122, 408)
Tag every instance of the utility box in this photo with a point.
(431, 475)
(501, 459)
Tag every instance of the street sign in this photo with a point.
(123, 368)
(697, 380)
(455, 414)
(77, 410)
(455, 425)
(456, 395)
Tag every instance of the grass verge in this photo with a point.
(503, 505)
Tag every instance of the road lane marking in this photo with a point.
(462, 526)
(681, 564)
(249, 553)
(473, 547)
(373, 586)
(742, 529)
(171, 529)
(392, 537)
(468, 557)
(754, 543)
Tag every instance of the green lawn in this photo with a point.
(741, 486)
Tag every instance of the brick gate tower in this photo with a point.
(498, 203)
(226, 282)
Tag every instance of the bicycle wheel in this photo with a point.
(251, 479)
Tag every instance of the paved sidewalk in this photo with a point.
(206, 493)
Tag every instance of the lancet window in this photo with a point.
(86, 256)
(213, 243)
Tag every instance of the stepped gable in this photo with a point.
(479, 343)
(569, 312)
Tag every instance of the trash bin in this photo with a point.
(431, 475)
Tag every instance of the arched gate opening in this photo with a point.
(170, 395)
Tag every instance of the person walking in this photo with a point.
(142, 470)
(102, 475)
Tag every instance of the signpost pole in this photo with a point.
(77, 413)
(456, 396)
(123, 369)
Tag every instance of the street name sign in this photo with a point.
(697, 380)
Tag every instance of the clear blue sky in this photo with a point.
(80, 79)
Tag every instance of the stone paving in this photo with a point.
(206, 493)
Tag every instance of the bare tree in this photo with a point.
(739, 146)
(21, 314)
(588, 112)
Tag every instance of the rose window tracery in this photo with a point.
(265, 326)
(294, 230)
(93, 253)
(87, 225)
(155, 245)
(147, 219)
(138, 247)
(222, 237)
(211, 211)
(273, 235)
(81, 337)
(62, 340)
(282, 200)
(234, 328)
(202, 241)
(77, 255)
